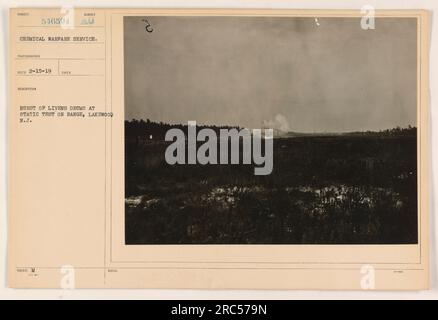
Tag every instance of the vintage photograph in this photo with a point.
(270, 130)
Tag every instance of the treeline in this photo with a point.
(397, 131)
(157, 130)
(142, 128)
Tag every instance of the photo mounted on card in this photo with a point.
(219, 148)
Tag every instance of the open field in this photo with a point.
(343, 189)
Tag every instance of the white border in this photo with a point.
(6, 293)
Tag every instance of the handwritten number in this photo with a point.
(148, 26)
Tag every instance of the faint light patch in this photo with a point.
(133, 201)
(279, 123)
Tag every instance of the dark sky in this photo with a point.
(282, 72)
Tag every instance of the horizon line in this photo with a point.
(285, 132)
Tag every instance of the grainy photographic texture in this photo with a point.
(342, 103)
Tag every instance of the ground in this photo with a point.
(328, 189)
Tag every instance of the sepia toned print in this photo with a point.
(218, 149)
(339, 99)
